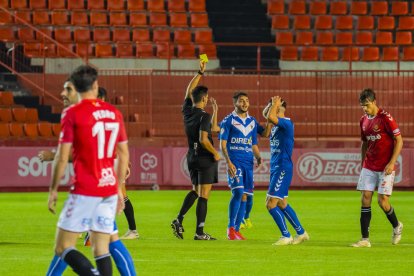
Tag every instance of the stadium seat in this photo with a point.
(301, 22)
(197, 6)
(359, 7)
(384, 38)
(141, 35)
(390, 54)
(24, 15)
(84, 49)
(37, 4)
(115, 5)
(186, 51)
(32, 49)
(103, 50)
(176, 5)
(43, 32)
(344, 38)
(280, 22)
(25, 34)
(96, 4)
(7, 34)
(275, 7)
(350, 53)
(406, 23)
(158, 19)
(379, 8)
(344, 22)
(161, 35)
(117, 19)
(399, 8)
(63, 35)
(124, 49)
(56, 128)
(45, 129)
(297, 7)
(30, 130)
(18, 4)
(102, 35)
(32, 115)
(156, 5)
(408, 54)
(82, 35)
(330, 54)
(289, 53)
(209, 49)
(4, 3)
(79, 18)
(339, 8)
(309, 54)
(145, 50)
(304, 38)
(138, 19)
(403, 38)
(199, 20)
(363, 38)
(5, 18)
(324, 38)
(57, 5)
(178, 20)
(182, 36)
(76, 4)
(370, 54)
(365, 23)
(323, 22)
(66, 50)
(41, 18)
(16, 129)
(284, 38)
(99, 18)
(317, 8)
(136, 5)
(203, 36)
(4, 130)
(60, 18)
(19, 114)
(5, 115)
(6, 98)
(119, 35)
(386, 23)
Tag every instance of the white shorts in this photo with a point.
(369, 180)
(88, 213)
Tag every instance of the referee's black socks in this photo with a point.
(201, 214)
(187, 204)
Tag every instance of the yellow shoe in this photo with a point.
(243, 225)
(248, 223)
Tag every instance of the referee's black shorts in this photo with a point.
(203, 170)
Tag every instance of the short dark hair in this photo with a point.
(102, 93)
(367, 95)
(238, 94)
(284, 103)
(198, 93)
(83, 77)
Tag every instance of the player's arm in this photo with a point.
(46, 155)
(276, 102)
(256, 153)
(396, 152)
(58, 169)
(214, 126)
(231, 169)
(121, 171)
(269, 125)
(364, 147)
(194, 81)
(205, 143)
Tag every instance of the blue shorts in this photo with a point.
(280, 182)
(243, 179)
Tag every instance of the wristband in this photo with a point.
(200, 73)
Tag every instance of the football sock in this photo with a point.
(104, 264)
(291, 216)
(187, 204)
(129, 214)
(122, 258)
(57, 266)
(249, 206)
(78, 262)
(365, 221)
(240, 215)
(234, 206)
(279, 218)
(392, 217)
(201, 214)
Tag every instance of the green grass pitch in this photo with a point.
(330, 217)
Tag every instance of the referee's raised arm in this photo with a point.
(194, 81)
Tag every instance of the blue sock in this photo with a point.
(57, 266)
(234, 205)
(279, 218)
(122, 258)
(249, 206)
(293, 219)
(240, 215)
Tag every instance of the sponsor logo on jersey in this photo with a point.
(239, 140)
(373, 137)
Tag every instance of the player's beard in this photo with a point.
(240, 110)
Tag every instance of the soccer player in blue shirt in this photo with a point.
(280, 129)
(238, 142)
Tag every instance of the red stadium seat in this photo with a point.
(178, 20)
(275, 7)
(138, 19)
(4, 3)
(203, 36)
(25, 34)
(370, 54)
(161, 35)
(301, 22)
(141, 35)
(324, 38)
(7, 34)
(182, 36)
(96, 4)
(37, 4)
(176, 5)
(158, 19)
(384, 38)
(6, 98)
(399, 8)
(84, 49)
(119, 35)
(56, 128)
(363, 38)
(5, 115)
(199, 20)
(350, 53)
(5, 18)
(390, 54)
(289, 53)
(330, 54)
(32, 115)
(18, 4)
(60, 18)
(16, 129)
(280, 22)
(403, 38)
(209, 49)
(45, 129)
(99, 18)
(386, 23)
(32, 49)
(66, 50)
(309, 54)
(4, 130)
(165, 50)
(284, 38)
(304, 38)
(136, 5)
(339, 8)
(30, 130)
(102, 35)
(124, 49)
(406, 23)
(156, 5)
(318, 7)
(379, 8)
(44, 33)
(103, 50)
(57, 5)
(117, 19)
(19, 114)
(79, 18)
(365, 23)
(408, 54)
(344, 22)
(297, 7)
(115, 5)
(186, 51)
(41, 18)
(344, 38)
(24, 15)
(359, 8)
(76, 4)
(323, 22)
(197, 5)
(63, 35)
(145, 50)
(82, 35)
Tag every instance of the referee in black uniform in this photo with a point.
(202, 157)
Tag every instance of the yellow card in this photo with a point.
(204, 58)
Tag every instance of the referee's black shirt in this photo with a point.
(196, 119)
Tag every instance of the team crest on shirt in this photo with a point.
(376, 128)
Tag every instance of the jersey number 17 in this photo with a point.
(99, 129)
